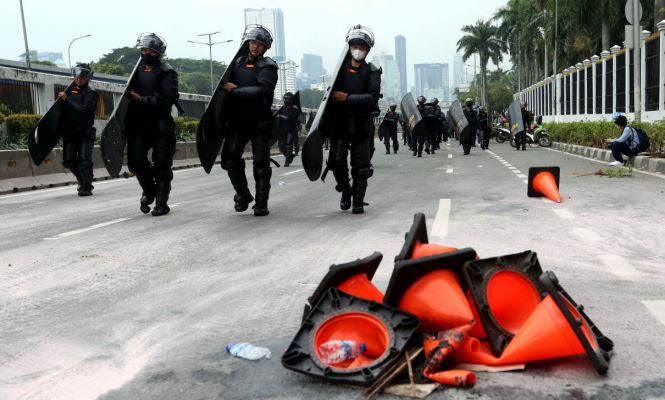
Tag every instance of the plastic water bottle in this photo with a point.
(337, 351)
(247, 351)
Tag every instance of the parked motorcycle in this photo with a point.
(500, 133)
(535, 134)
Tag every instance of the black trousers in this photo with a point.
(391, 135)
(154, 176)
(77, 157)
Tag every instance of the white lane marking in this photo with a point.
(512, 168)
(292, 172)
(449, 171)
(321, 216)
(522, 176)
(563, 213)
(586, 235)
(657, 308)
(409, 191)
(619, 266)
(480, 166)
(440, 226)
(450, 156)
(526, 181)
(90, 228)
(516, 171)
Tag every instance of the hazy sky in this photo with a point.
(431, 27)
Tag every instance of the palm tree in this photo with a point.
(482, 39)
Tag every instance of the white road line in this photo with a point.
(619, 266)
(480, 166)
(525, 181)
(90, 228)
(522, 176)
(449, 171)
(450, 156)
(657, 308)
(516, 171)
(563, 213)
(512, 168)
(586, 235)
(292, 172)
(440, 226)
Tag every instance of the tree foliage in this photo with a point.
(311, 98)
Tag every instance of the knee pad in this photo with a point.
(233, 164)
(262, 172)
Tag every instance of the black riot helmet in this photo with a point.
(259, 33)
(421, 99)
(359, 34)
(288, 97)
(393, 106)
(82, 70)
(151, 41)
(435, 101)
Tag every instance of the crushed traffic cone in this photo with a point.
(430, 288)
(438, 348)
(453, 377)
(505, 292)
(416, 243)
(353, 278)
(544, 181)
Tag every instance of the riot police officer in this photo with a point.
(419, 138)
(149, 125)
(287, 120)
(76, 119)
(390, 120)
(468, 135)
(354, 98)
(250, 90)
(484, 129)
(432, 118)
(520, 137)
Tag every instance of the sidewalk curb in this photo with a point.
(640, 163)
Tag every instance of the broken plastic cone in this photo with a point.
(427, 249)
(360, 286)
(453, 377)
(438, 300)
(544, 181)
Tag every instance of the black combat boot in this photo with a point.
(262, 178)
(358, 191)
(147, 182)
(85, 174)
(161, 199)
(242, 197)
(345, 202)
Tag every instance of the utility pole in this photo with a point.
(210, 44)
(556, 47)
(25, 38)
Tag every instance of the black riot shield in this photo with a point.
(515, 114)
(214, 122)
(312, 148)
(458, 119)
(45, 135)
(382, 130)
(113, 139)
(411, 115)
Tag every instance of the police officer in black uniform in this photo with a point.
(467, 136)
(418, 139)
(149, 125)
(520, 137)
(484, 128)
(250, 90)
(390, 121)
(76, 120)
(354, 98)
(287, 121)
(433, 117)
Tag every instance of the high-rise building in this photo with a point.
(459, 76)
(390, 79)
(273, 19)
(286, 79)
(432, 80)
(400, 58)
(311, 67)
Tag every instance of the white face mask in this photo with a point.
(358, 54)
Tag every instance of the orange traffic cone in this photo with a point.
(453, 377)
(438, 300)
(360, 286)
(544, 181)
(416, 243)
(438, 348)
(426, 249)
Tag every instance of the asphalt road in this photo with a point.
(100, 301)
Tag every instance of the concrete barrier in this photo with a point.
(642, 163)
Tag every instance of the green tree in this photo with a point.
(194, 82)
(47, 63)
(311, 98)
(482, 39)
(111, 69)
(125, 57)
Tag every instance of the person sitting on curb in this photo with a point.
(626, 144)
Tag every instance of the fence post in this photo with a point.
(643, 71)
(594, 87)
(587, 63)
(629, 82)
(605, 55)
(661, 89)
(614, 50)
(578, 95)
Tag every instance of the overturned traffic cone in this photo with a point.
(430, 288)
(354, 278)
(438, 349)
(544, 181)
(416, 243)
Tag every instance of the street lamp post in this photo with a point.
(210, 43)
(25, 38)
(69, 57)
